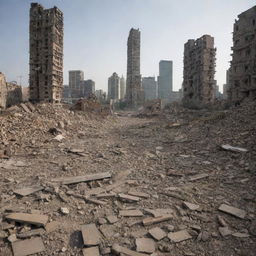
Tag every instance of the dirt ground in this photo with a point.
(157, 155)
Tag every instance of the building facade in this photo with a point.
(46, 54)
(199, 70)
(165, 79)
(243, 64)
(3, 91)
(134, 92)
(114, 87)
(75, 80)
(87, 88)
(149, 86)
(122, 88)
(101, 95)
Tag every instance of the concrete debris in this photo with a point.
(159, 212)
(28, 234)
(122, 250)
(157, 233)
(91, 235)
(179, 236)
(240, 235)
(52, 226)
(128, 198)
(64, 210)
(233, 149)
(28, 247)
(146, 245)
(225, 231)
(36, 219)
(92, 251)
(191, 206)
(198, 177)
(112, 219)
(138, 194)
(233, 211)
(28, 190)
(151, 220)
(130, 213)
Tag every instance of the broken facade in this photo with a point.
(14, 94)
(46, 54)
(199, 70)
(242, 84)
(3, 91)
(134, 92)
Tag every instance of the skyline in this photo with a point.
(102, 53)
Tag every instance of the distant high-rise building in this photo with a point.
(165, 79)
(113, 87)
(76, 77)
(87, 88)
(46, 53)
(199, 69)
(242, 83)
(122, 88)
(226, 85)
(149, 86)
(134, 92)
(101, 95)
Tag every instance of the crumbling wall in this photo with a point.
(46, 54)
(14, 94)
(199, 70)
(3, 91)
(242, 84)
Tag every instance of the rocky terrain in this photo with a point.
(179, 182)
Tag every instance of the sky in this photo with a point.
(96, 32)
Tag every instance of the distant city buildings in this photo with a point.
(122, 88)
(46, 53)
(113, 87)
(226, 85)
(134, 92)
(199, 70)
(242, 84)
(87, 88)
(149, 86)
(101, 95)
(165, 79)
(76, 77)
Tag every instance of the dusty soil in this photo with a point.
(161, 157)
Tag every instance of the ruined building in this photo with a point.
(134, 92)
(87, 88)
(149, 86)
(199, 69)
(165, 79)
(242, 84)
(3, 91)
(75, 78)
(46, 53)
(113, 87)
(14, 94)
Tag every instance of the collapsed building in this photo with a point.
(3, 91)
(134, 92)
(242, 84)
(14, 94)
(199, 69)
(46, 54)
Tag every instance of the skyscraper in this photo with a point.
(46, 53)
(134, 92)
(75, 82)
(149, 86)
(122, 88)
(165, 79)
(113, 87)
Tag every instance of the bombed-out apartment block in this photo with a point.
(242, 84)
(14, 94)
(199, 69)
(134, 92)
(46, 54)
(3, 91)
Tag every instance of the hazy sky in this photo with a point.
(96, 32)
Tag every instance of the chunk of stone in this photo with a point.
(27, 190)
(138, 194)
(125, 251)
(146, 245)
(12, 238)
(240, 235)
(159, 212)
(35, 219)
(225, 231)
(91, 235)
(157, 233)
(33, 232)
(92, 251)
(198, 177)
(131, 213)
(64, 210)
(52, 226)
(28, 247)
(179, 236)
(128, 198)
(221, 221)
(191, 206)
(151, 220)
(112, 219)
(232, 211)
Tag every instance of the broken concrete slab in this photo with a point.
(92, 251)
(123, 250)
(191, 206)
(112, 219)
(157, 233)
(146, 245)
(221, 221)
(159, 212)
(233, 149)
(138, 194)
(77, 179)
(36, 219)
(240, 235)
(108, 230)
(91, 235)
(225, 231)
(130, 213)
(154, 220)
(28, 190)
(28, 247)
(179, 236)
(128, 198)
(25, 108)
(33, 232)
(198, 177)
(52, 226)
(232, 211)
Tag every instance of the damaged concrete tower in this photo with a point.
(242, 84)
(199, 69)
(46, 54)
(134, 92)
(3, 91)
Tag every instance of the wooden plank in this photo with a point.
(91, 235)
(36, 219)
(233, 211)
(28, 190)
(151, 220)
(92, 251)
(28, 246)
(77, 179)
(120, 249)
